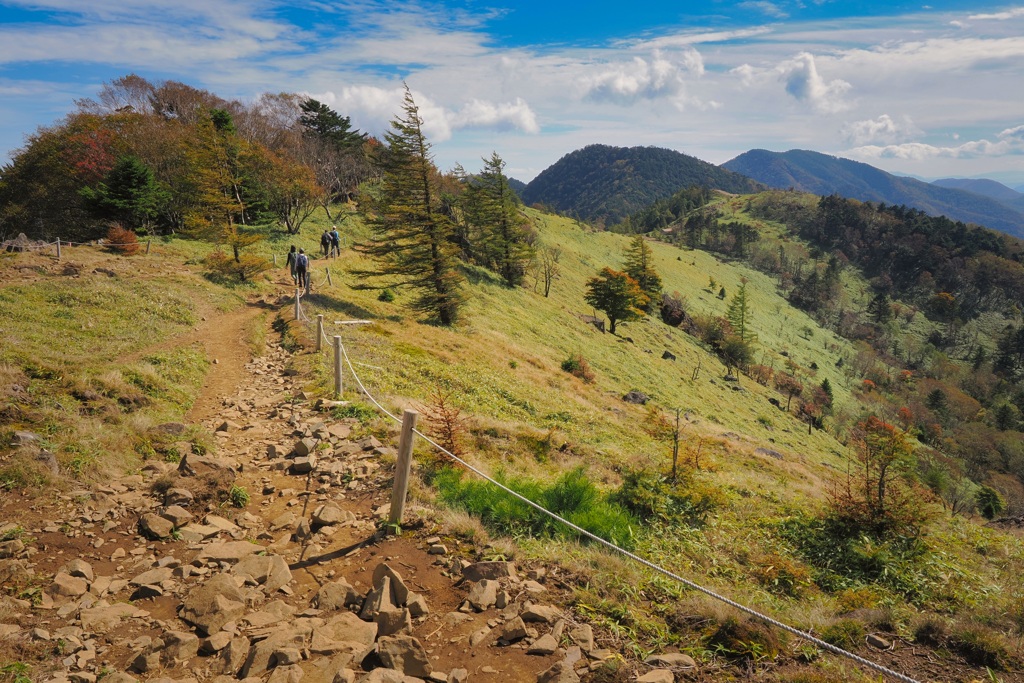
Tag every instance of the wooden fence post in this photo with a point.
(329, 283)
(298, 294)
(319, 332)
(58, 249)
(337, 368)
(309, 279)
(149, 244)
(275, 260)
(402, 469)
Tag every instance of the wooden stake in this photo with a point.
(275, 260)
(337, 368)
(319, 332)
(402, 469)
(298, 295)
(58, 249)
(329, 283)
(149, 244)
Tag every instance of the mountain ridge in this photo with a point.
(824, 174)
(604, 184)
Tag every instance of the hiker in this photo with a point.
(291, 263)
(325, 243)
(302, 268)
(335, 241)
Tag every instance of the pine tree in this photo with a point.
(492, 208)
(617, 294)
(411, 239)
(739, 314)
(640, 267)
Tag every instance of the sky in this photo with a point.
(932, 90)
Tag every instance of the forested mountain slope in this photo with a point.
(822, 174)
(604, 184)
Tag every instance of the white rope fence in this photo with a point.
(625, 553)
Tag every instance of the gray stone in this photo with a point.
(192, 465)
(178, 496)
(214, 603)
(392, 621)
(304, 447)
(514, 630)
(345, 628)
(215, 643)
(671, 660)
(489, 570)
(303, 465)
(336, 595)
(271, 571)
(545, 645)
(541, 613)
(232, 657)
(560, 672)
(417, 605)
(583, 635)
(878, 642)
(145, 662)
(68, 586)
(154, 526)
(483, 594)
(179, 646)
(458, 676)
(260, 653)
(404, 653)
(106, 617)
(384, 676)
(80, 568)
(152, 577)
(227, 551)
(657, 676)
(291, 673)
(399, 591)
(377, 600)
(330, 515)
(12, 548)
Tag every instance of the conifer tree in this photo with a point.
(617, 294)
(503, 233)
(739, 314)
(640, 267)
(411, 242)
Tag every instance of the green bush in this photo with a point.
(359, 411)
(577, 366)
(386, 295)
(238, 496)
(572, 496)
(652, 497)
(844, 633)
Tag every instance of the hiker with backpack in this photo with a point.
(325, 243)
(302, 269)
(335, 241)
(291, 263)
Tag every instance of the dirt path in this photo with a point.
(225, 338)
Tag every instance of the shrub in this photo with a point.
(354, 410)
(745, 639)
(572, 496)
(122, 240)
(386, 295)
(652, 497)
(238, 496)
(243, 268)
(981, 646)
(990, 503)
(844, 633)
(577, 366)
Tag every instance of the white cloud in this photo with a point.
(767, 8)
(515, 115)
(805, 84)
(372, 109)
(1011, 142)
(999, 16)
(883, 130)
(642, 79)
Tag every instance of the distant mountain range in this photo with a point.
(989, 188)
(972, 201)
(604, 184)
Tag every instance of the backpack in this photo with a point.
(302, 261)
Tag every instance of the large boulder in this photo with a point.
(270, 571)
(404, 653)
(212, 604)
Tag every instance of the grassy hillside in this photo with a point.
(758, 477)
(746, 518)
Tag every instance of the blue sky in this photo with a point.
(930, 89)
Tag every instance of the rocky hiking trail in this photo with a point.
(151, 577)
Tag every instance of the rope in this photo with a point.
(636, 558)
